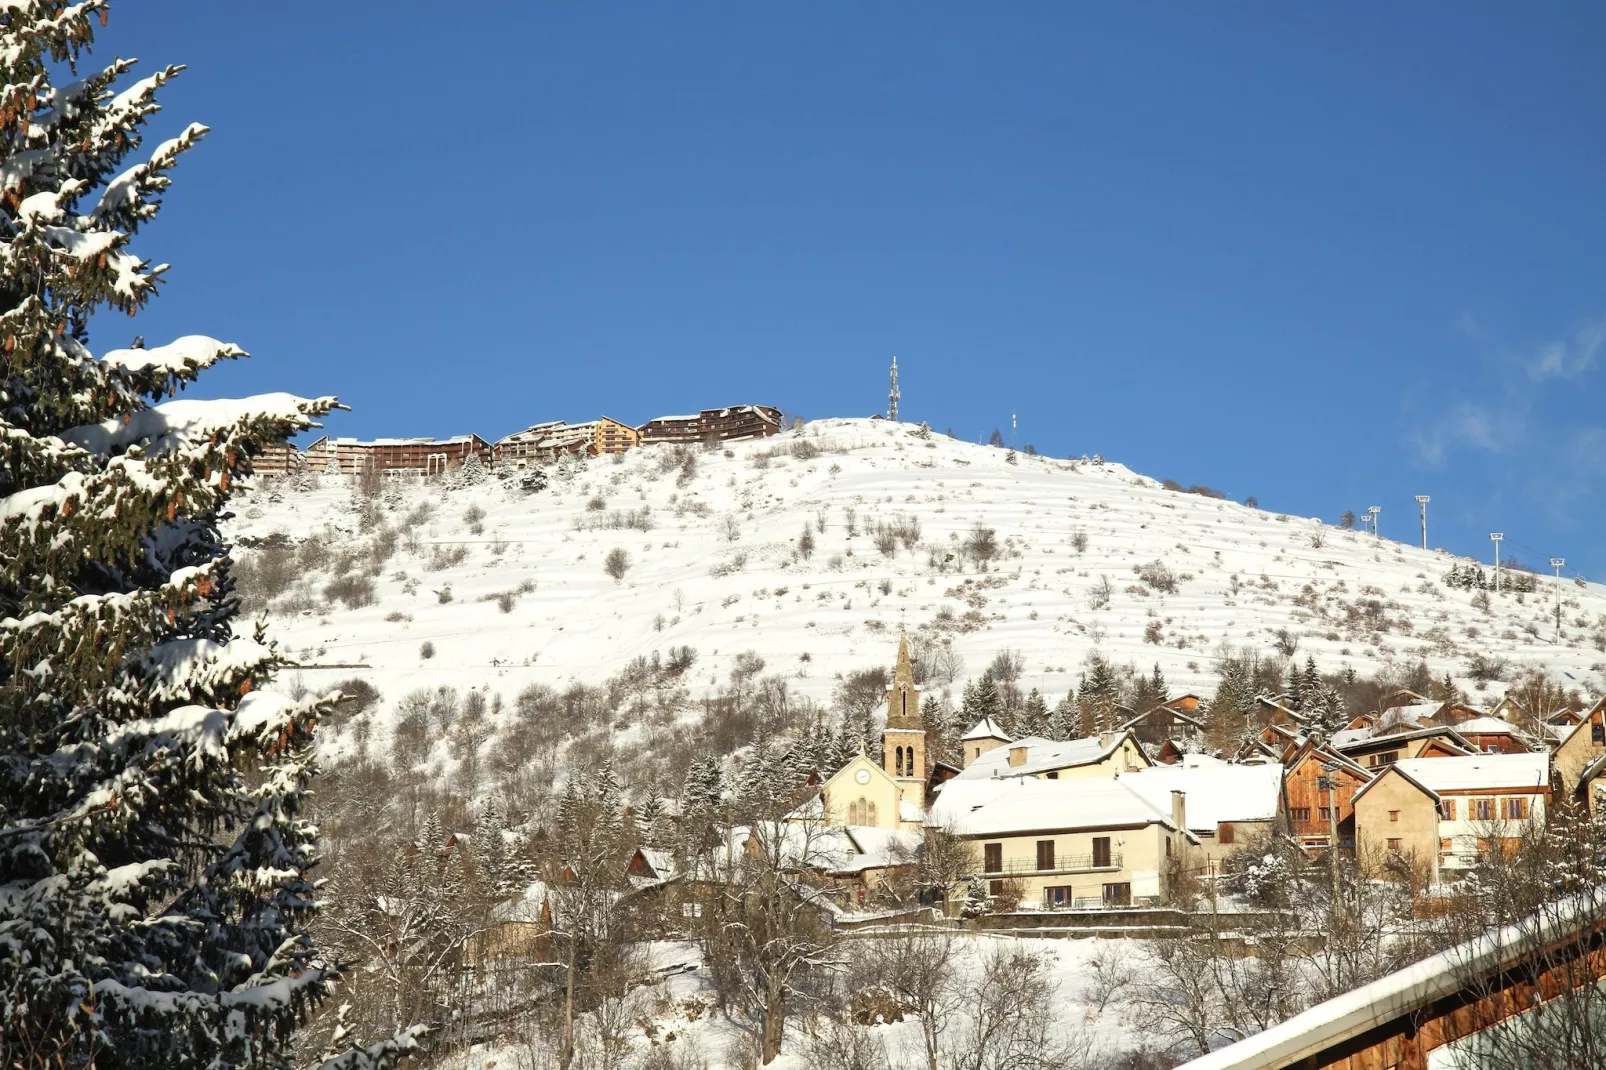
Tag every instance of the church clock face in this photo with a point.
(862, 776)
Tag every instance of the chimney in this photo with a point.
(1179, 810)
(1106, 738)
(1017, 757)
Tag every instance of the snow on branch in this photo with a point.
(181, 423)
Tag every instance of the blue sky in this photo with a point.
(1330, 257)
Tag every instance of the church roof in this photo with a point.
(987, 728)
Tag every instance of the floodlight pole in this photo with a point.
(1326, 783)
(1495, 537)
(1422, 503)
(1556, 563)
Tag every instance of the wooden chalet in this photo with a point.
(1388, 745)
(1403, 697)
(713, 425)
(1312, 809)
(1162, 723)
(1269, 711)
(1494, 736)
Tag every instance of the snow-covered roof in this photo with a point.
(880, 848)
(986, 728)
(1478, 771)
(1042, 755)
(910, 811)
(1299, 1039)
(1486, 726)
(525, 907)
(1347, 736)
(813, 846)
(1416, 712)
(1215, 791)
(1026, 804)
(661, 861)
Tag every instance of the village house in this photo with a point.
(713, 425)
(1165, 723)
(1446, 812)
(1064, 843)
(1107, 755)
(1319, 788)
(1579, 747)
(1490, 735)
(1375, 747)
(1226, 805)
(984, 736)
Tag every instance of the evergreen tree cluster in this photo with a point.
(1469, 576)
(156, 879)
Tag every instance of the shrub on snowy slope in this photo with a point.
(154, 888)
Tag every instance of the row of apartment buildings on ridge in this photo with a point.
(541, 443)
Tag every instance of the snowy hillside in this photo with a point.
(890, 514)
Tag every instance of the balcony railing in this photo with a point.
(1062, 864)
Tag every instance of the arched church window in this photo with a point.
(900, 761)
(869, 817)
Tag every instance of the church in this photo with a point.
(890, 794)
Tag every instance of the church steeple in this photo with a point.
(903, 698)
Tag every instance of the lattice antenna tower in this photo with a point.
(892, 395)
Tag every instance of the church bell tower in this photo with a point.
(903, 744)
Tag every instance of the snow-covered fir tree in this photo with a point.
(982, 700)
(1034, 715)
(1062, 720)
(155, 867)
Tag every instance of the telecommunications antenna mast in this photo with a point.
(1422, 502)
(892, 396)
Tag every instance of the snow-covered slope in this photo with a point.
(720, 570)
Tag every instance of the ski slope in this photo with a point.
(720, 570)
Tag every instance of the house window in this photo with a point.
(1388, 759)
(1168, 846)
(1394, 846)
(1058, 896)
(993, 857)
(995, 888)
(1118, 895)
(1300, 813)
(1101, 851)
(1597, 731)
(1447, 809)
(1484, 809)
(1052, 774)
(1327, 813)
(1224, 832)
(1445, 846)
(1516, 809)
(1045, 854)
(1394, 815)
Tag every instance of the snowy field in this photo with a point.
(720, 569)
